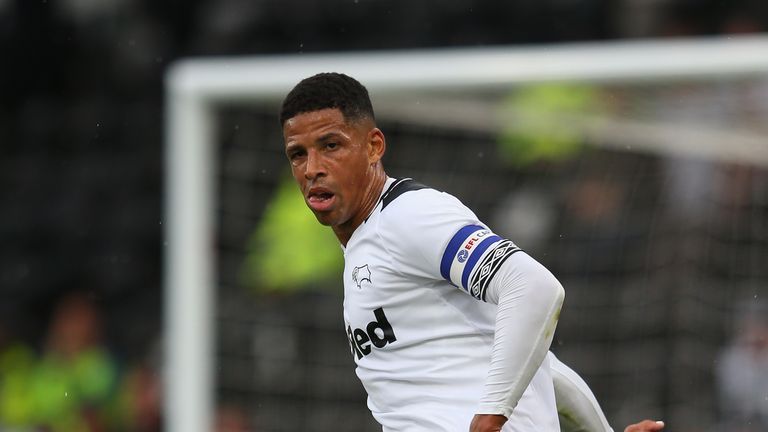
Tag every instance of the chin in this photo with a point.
(324, 219)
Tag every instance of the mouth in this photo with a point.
(320, 199)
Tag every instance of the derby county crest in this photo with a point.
(360, 274)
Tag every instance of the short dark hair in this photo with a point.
(328, 90)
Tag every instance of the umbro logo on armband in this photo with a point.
(377, 333)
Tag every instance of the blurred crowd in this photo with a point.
(742, 373)
(72, 382)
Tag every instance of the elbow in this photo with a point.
(550, 290)
(527, 282)
(550, 296)
(555, 298)
(558, 293)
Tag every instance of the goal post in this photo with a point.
(196, 88)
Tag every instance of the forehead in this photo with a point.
(312, 122)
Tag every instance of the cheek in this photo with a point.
(297, 174)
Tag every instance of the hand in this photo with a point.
(487, 423)
(645, 426)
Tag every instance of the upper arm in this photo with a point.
(433, 235)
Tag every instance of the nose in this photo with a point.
(314, 167)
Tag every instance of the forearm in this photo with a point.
(576, 405)
(529, 298)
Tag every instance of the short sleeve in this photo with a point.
(432, 235)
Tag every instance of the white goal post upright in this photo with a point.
(195, 88)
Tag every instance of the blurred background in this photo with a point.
(664, 254)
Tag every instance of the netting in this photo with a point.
(648, 200)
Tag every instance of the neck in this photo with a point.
(370, 199)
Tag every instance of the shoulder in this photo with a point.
(416, 216)
(399, 188)
(411, 201)
(415, 224)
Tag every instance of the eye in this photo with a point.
(295, 155)
(331, 145)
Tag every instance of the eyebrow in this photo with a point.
(321, 138)
(327, 136)
(292, 146)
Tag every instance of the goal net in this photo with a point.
(636, 171)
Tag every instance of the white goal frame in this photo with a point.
(196, 87)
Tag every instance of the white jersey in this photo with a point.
(414, 280)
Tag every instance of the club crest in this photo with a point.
(360, 274)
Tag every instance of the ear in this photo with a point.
(377, 145)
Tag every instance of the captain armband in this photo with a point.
(472, 258)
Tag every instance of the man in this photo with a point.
(449, 324)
